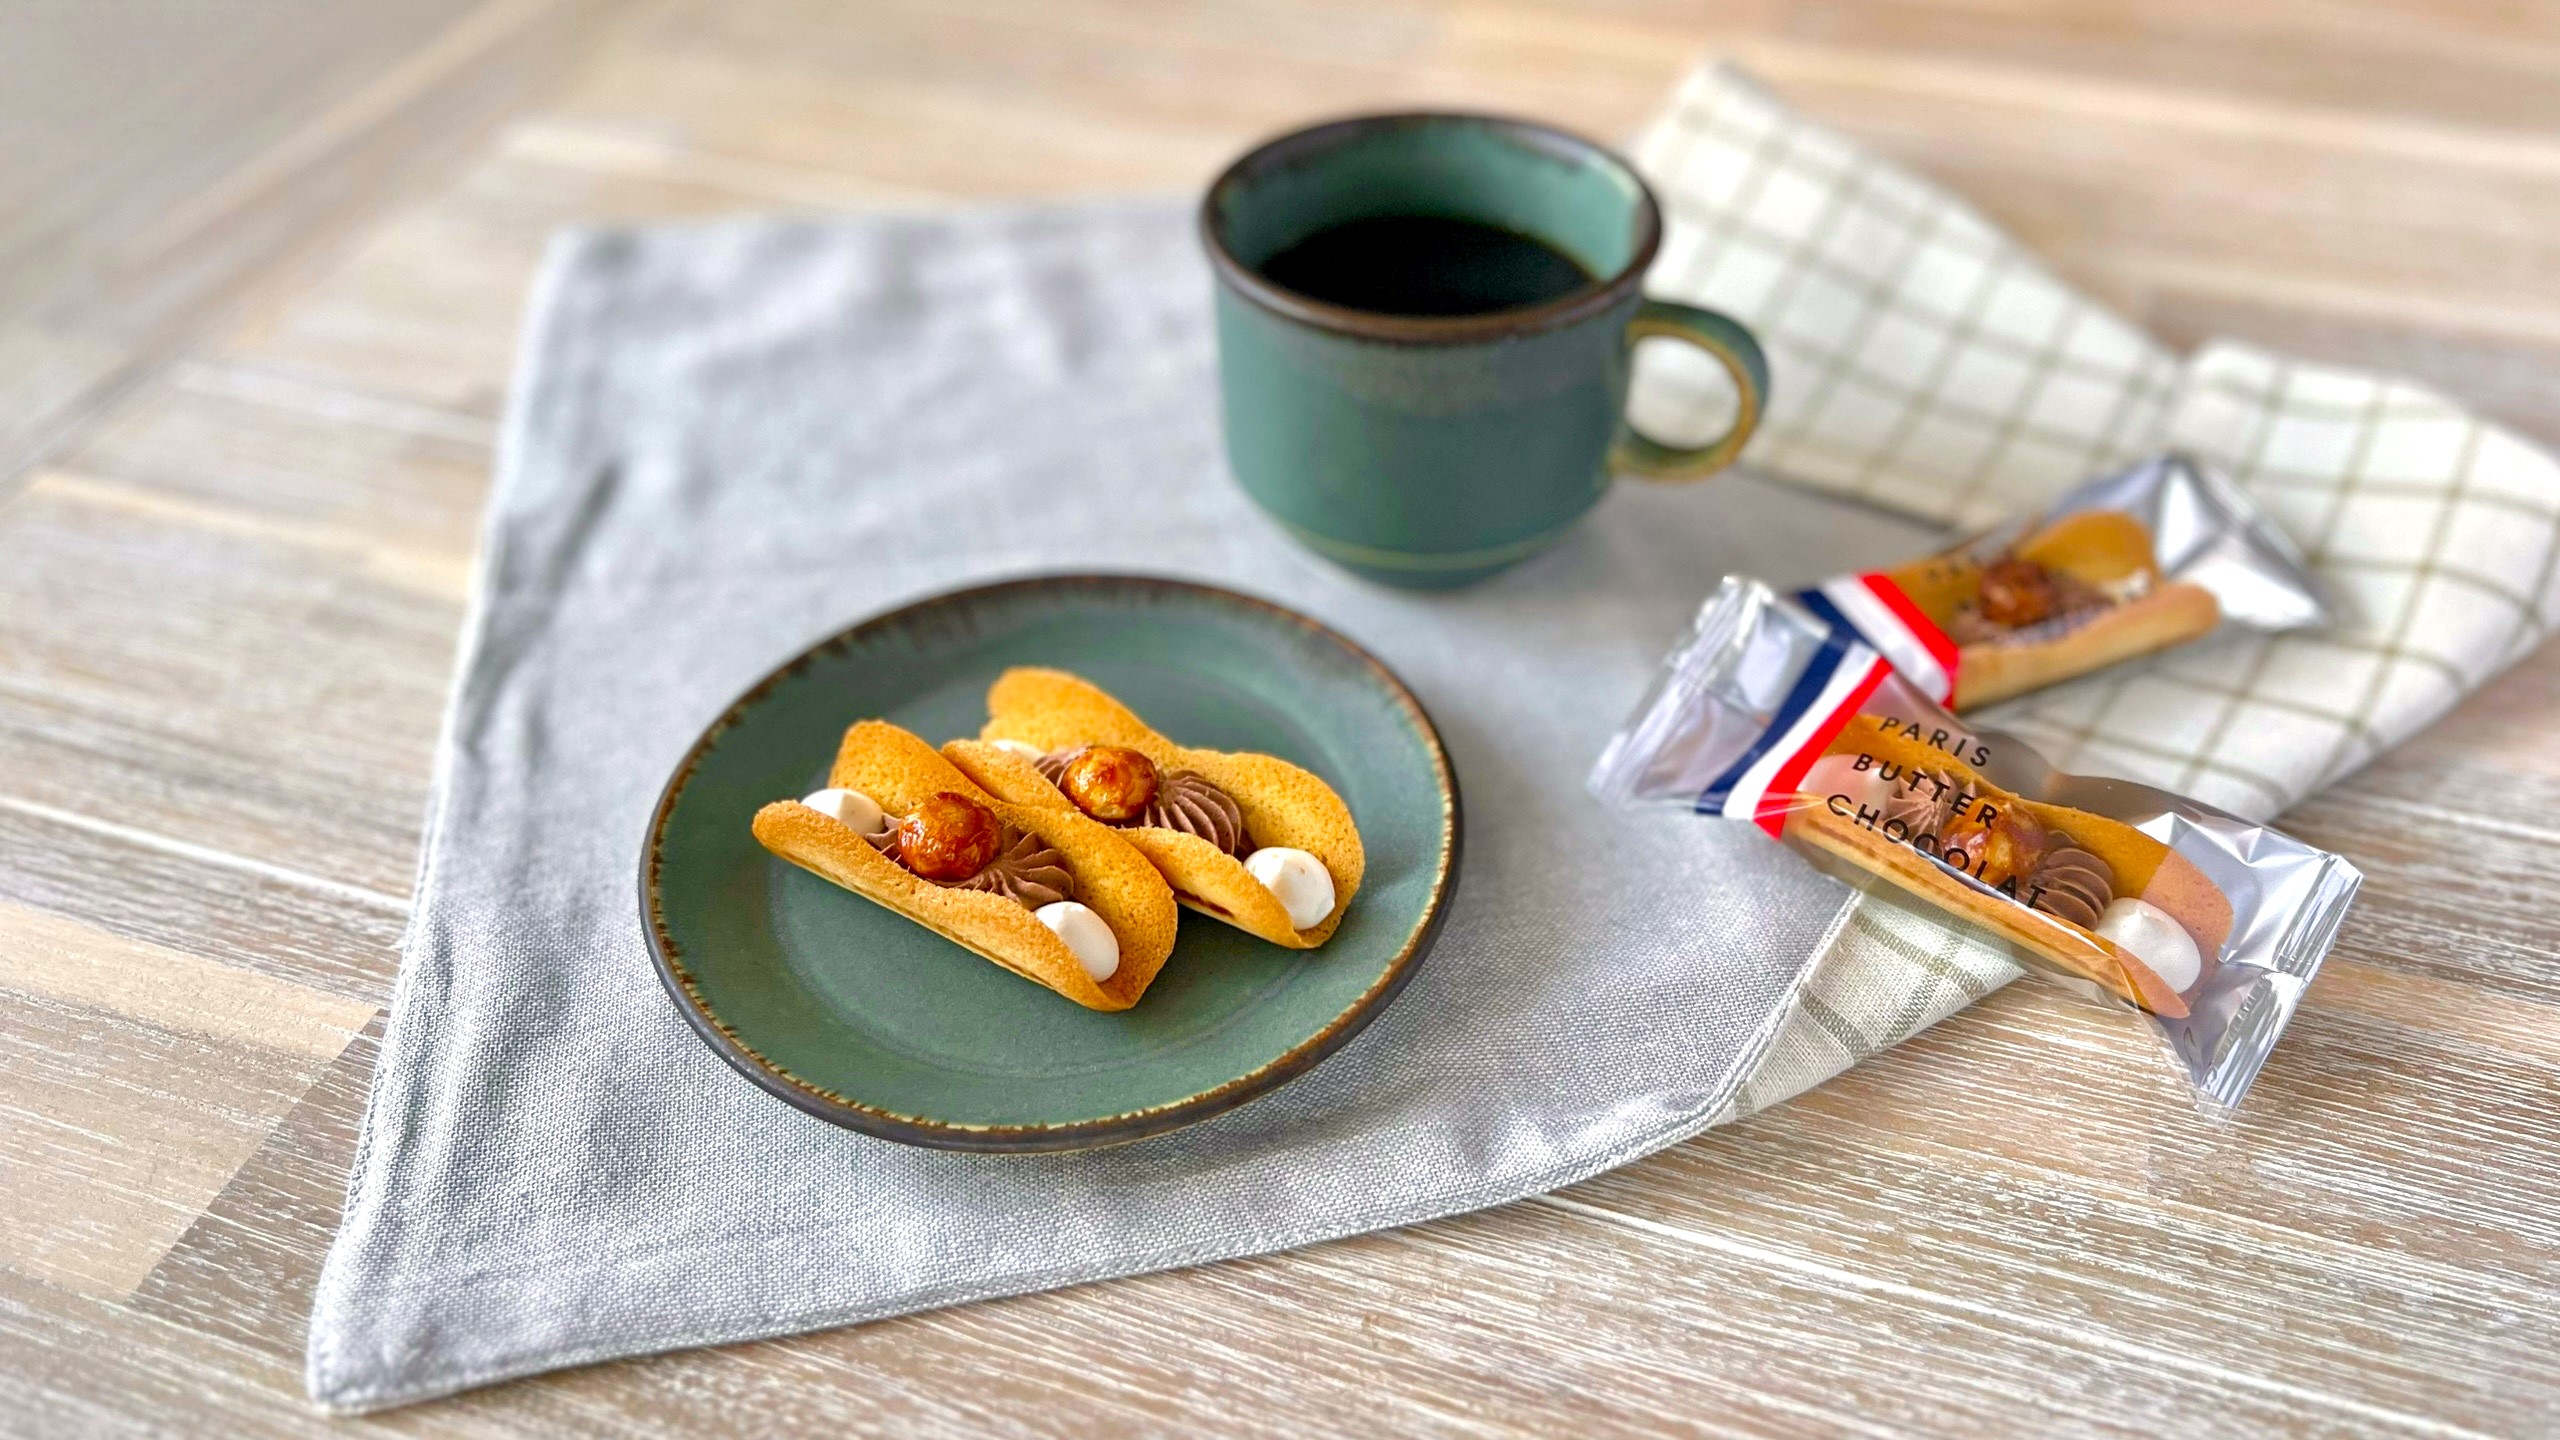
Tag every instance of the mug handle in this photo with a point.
(1640, 454)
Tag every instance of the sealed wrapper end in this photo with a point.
(2154, 556)
(2207, 924)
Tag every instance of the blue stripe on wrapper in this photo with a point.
(1826, 612)
(1808, 688)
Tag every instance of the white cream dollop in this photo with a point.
(852, 807)
(1090, 940)
(1296, 879)
(2154, 938)
(1023, 748)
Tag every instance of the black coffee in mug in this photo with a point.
(1425, 265)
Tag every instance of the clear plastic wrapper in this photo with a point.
(2156, 555)
(2207, 925)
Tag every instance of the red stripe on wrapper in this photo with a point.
(1782, 792)
(1922, 628)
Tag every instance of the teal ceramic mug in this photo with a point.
(1411, 436)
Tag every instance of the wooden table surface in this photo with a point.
(261, 266)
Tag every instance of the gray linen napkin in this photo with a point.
(728, 442)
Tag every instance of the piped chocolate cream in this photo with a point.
(2071, 883)
(1181, 800)
(1026, 870)
(1925, 801)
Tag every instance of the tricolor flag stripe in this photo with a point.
(1781, 794)
(1764, 789)
(1801, 698)
(1878, 612)
(1824, 611)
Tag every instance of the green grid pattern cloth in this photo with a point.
(1922, 360)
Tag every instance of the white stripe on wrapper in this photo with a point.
(1814, 727)
(1881, 627)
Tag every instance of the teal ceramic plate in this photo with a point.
(864, 1018)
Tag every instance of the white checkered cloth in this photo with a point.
(1921, 360)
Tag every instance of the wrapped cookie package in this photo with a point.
(2208, 925)
(2150, 557)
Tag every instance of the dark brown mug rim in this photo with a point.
(1582, 304)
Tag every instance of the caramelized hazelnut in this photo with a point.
(1109, 783)
(2013, 846)
(949, 838)
(2016, 593)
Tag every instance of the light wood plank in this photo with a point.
(119, 1132)
(1529, 1319)
(240, 690)
(65, 962)
(2373, 1131)
(262, 133)
(243, 446)
(2455, 63)
(2176, 1243)
(425, 312)
(244, 1270)
(136, 886)
(2512, 379)
(138, 1079)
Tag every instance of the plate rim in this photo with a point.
(1098, 1131)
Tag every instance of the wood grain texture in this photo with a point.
(137, 1081)
(227, 685)
(230, 593)
(140, 885)
(166, 162)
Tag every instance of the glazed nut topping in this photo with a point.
(2016, 593)
(1109, 783)
(949, 838)
(2011, 847)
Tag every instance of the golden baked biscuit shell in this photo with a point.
(900, 771)
(1283, 804)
